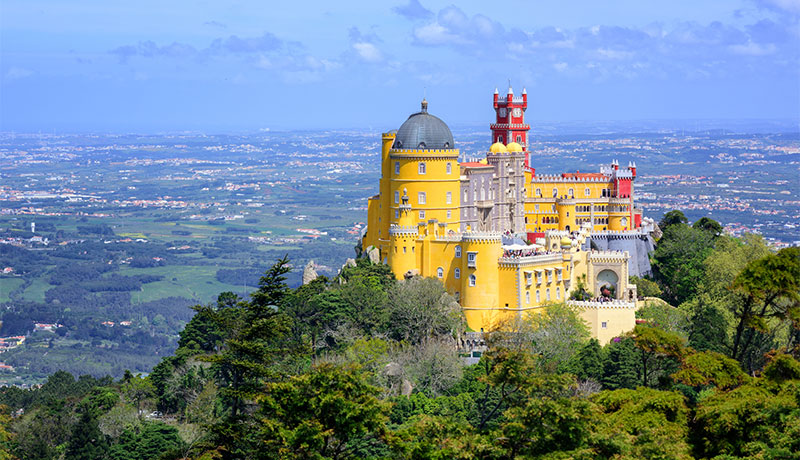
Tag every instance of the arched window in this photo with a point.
(472, 280)
(587, 192)
(527, 297)
(466, 195)
(571, 193)
(500, 139)
(547, 293)
(448, 197)
(421, 169)
(538, 192)
(457, 273)
(555, 192)
(440, 272)
(519, 139)
(483, 194)
(558, 293)
(538, 296)
(421, 197)
(458, 251)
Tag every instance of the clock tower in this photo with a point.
(510, 121)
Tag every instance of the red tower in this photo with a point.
(510, 123)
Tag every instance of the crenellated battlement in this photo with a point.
(481, 237)
(611, 304)
(619, 234)
(545, 178)
(398, 230)
(609, 256)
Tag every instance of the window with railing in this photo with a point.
(472, 259)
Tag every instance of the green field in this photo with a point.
(35, 291)
(191, 281)
(8, 284)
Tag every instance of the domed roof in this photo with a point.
(423, 131)
(514, 147)
(566, 242)
(498, 147)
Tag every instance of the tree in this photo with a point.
(557, 334)
(678, 261)
(328, 413)
(150, 440)
(138, 389)
(272, 287)
(549, 421)
(87, 442)
(641, 423)
(770, 287)
(658, 350)
(708, 326)
(587, 363)
(645, 287)
(760, 419)
(673, 217)
(421, 309)
(664, 316)
(708, 225)
(620, 368)
(5, 435)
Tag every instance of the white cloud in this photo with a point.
(16, 73)
(368, 51)
(753, 49)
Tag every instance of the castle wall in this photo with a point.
(638, 245)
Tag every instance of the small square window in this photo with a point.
(604, 325)
(397, 167)
(587, 192)
(422, 214)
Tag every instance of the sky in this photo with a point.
(239, 66)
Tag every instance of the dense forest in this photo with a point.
(364, 366)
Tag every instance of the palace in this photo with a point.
(504, 240)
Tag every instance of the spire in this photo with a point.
(424, 105)
(524, 91)
(495, 90)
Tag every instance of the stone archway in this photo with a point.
(607, 278)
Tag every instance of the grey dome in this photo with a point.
(423, 131)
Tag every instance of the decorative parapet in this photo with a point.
(424, 152)
(558, 178)
(610, 304)
(482, 236)
(556, 233)
(540, 259)
(619, 234)
(609, 256)
(397, 230)
(510, 126)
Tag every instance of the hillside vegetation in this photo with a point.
(365, 367)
